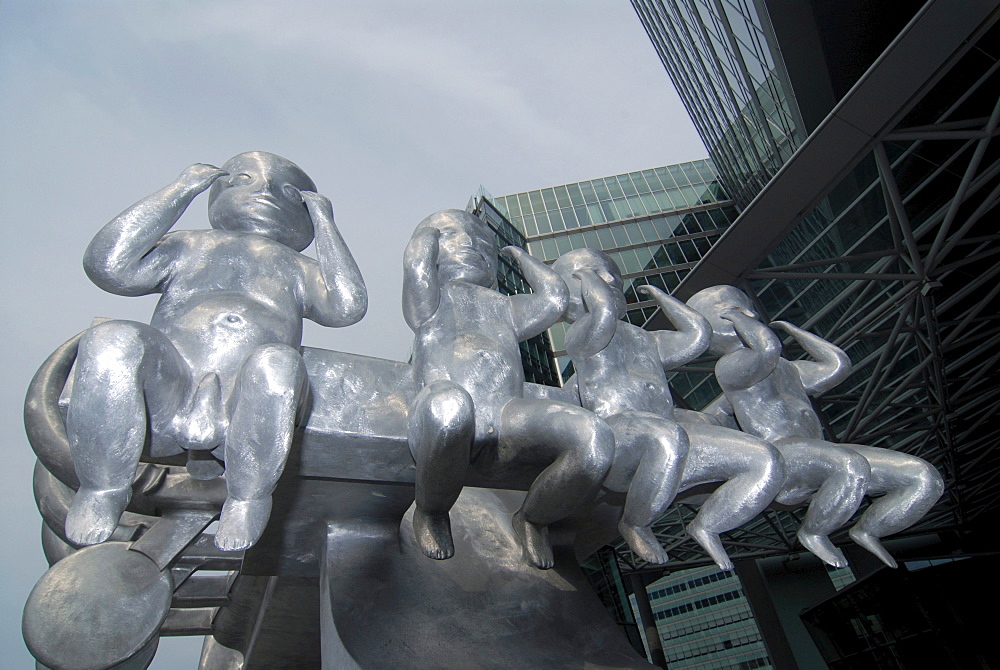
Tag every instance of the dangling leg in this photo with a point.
(841, 478)
(662, 447)
(441, 426)
(271, 385)
(578, 448)
(753, 473)
(121, 368)
(912, 486)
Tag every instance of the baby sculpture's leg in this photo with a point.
(911, 486)
(841, 478)
(441, 426)
(752, 471)
(655, 449)
(578, 448)
(122, 368)
(272, 384)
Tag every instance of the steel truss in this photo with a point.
(914, 299)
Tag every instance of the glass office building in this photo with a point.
(733, 82)
(656, 224)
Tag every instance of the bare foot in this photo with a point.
(94, 514)
(643, 543)
(433, 534)
(242, 523)
(872, 544)
(823, 549)
(712, 545)
(534, 540)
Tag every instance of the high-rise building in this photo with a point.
(656, 224)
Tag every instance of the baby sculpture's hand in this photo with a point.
(514, 253)
(200, 176)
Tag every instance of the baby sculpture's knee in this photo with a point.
(856, 470)
(766, 461)
(593, 440)
(275, 369)
(112, 346)
(449, 405)
(930, 480)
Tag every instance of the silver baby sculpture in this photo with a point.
(621, 377)
(218, 368)
(470, 408)
(769, 396)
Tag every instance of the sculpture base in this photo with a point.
(387, 605)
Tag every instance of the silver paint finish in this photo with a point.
(470, 407)
(218, 368)
(621, 376)
(769, 396)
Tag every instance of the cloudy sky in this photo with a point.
(396, 109)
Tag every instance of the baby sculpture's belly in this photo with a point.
(487, 368)
(214, 333)
(624, 391)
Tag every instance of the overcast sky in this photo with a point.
(396, 109)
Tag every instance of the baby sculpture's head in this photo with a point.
(467, 248)
(260, 195)
(715, 301)
(586, 259)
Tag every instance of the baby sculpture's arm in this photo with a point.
(421, 287)
(336, 295)
(748, 365)
(831, 366)
(123, 257)
(593, 331)
(689, 341)
(536, 312)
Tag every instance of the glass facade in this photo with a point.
(733, 83)
(656, 224)
(704, 620)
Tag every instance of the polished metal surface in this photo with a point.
(218, 368)
(387, 606)
(770, 398)
(97, 608)
(470, 408)
(621, 377)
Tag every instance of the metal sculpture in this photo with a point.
(218, 369)
(769, 397)
(471, 407)
(620, 373)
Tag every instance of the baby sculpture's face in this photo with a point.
(586, 259)
(260, 195)
(466, 248)
(712, 303)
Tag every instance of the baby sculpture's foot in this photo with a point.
(643, 543)
(242, 523)
(712, 545)
(433, 534)
(872, 544)
(534, 540)
(94, 514)
(822, 548)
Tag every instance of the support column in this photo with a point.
(755, 588)
(646, 620)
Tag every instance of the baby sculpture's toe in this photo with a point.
(242, 523)
(534, 540)
(433, 534)
(94, 514)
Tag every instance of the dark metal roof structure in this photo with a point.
(881, 234)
